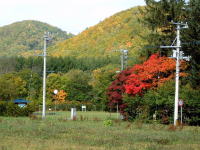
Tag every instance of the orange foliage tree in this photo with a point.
(60, 97)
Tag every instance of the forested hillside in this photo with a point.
(21, 38)
(120, 31)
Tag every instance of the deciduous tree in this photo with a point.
(138, 79)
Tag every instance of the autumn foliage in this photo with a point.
(136, 80)
(117, 88)
(60, 97)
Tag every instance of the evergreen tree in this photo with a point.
(191, 39)
(158, 15)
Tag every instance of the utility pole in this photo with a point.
(178, 56)
(46, 39)
(125, 54)
(178, 44)
(122, 60)
(124, 57)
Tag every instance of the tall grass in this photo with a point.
(89, 132)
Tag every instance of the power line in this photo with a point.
(183, 43)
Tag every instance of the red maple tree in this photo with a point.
(156, 70)
(116, 89)
(136, 80)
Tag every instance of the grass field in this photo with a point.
(91, 132)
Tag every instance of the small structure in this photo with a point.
(83, 108)
(155, 116)
(21, 102)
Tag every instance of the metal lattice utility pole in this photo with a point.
(46, 39)
(177, 56)
(124, 57)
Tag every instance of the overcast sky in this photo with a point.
(70, 15)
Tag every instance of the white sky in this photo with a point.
(70, 15)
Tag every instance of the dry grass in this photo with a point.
(89, 133)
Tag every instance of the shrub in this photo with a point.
(11, 109)
(2, 108)
(108, 123)
(161, 100)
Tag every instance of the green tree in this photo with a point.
(54, 82)
(161, 101)
(12, 86)
(191, 38)
(158, 16)
(101, 79)
(76, 85)
(33, 83)
(7, 65)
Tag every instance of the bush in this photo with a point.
(108, 123)
(160, 102)
(11, 109)
(2, 108)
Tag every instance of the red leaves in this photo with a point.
(135, 81)
(135, 86)
(146, 75)
(116, 89)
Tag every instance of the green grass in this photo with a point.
(89, 132)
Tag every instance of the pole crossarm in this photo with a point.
(170, 46)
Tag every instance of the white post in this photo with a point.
(181, 115)
(73, 113)
(117, 111)
(177, 76)
(44, 78)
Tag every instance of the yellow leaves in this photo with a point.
(120, 31)
(164, 28)
(100, 29)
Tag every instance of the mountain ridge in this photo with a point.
(20, 38)
(123, 30)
